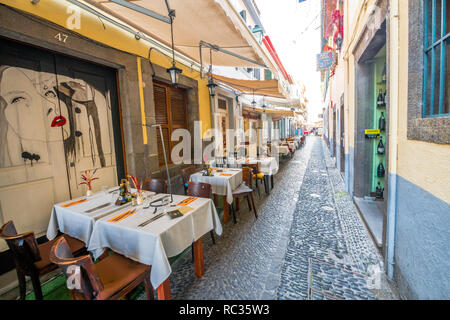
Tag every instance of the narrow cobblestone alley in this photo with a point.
(308, 243)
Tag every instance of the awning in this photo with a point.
(267, 88)
(281, 113)
(212, 21)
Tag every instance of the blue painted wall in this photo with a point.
(422, 244)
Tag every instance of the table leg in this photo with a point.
(216, 199)
(226, 209)
(199, 262)
(164, 290)
(266, 184)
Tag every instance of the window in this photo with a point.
(257, 74)
(243, 14)
(171, 114)
(436, 87)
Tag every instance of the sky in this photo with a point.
(294, 29)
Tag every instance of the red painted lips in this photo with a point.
(59, 121)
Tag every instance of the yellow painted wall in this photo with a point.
(427, 165)
(92, 27)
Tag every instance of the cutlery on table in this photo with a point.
(143, 224)
(98, 207)
(112, 211)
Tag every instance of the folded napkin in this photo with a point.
(226, 174)
(73, 203)
(185, 202)
(122, 216)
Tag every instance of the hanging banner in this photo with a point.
(325, 60)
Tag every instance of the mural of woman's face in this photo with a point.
(56, 112)
(24, 109)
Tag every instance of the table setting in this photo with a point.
(149, 231)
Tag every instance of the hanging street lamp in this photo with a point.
(174, 72)
(254, 102)
(211, 87)
(264, 106)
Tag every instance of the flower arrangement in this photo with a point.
(87, 178)
(138, 188)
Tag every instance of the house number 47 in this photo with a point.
(61, 37)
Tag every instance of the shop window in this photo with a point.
(436, 87)
(171, 114)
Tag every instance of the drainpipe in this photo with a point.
(393, 135)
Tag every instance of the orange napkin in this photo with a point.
(122, 216)
(185, 202)
(226, 174)
(73, 203)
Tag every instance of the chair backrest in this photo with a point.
(23, 246)
(80, 271)
(186, 173)
(156, 185)
(247, 176)
(253, 166)
(199, 189)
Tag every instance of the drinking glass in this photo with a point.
(165, 202)
(114, 196)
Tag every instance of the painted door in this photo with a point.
(49, 133)
(84, 93)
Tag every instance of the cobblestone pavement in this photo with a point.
(308, 242)
(330, 254)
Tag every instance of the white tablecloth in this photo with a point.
(291, 145)
(150, 245)
(284, 150)
(221, 185)
(74, 220)
(160, 239)
(267, 165)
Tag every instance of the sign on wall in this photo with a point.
(372, 133)
(325, 60)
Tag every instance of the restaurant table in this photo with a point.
(292, 145)
(222, 183)
(267, 165)
(154, 243)
(284, 150)
(74, 220)
(151, 245)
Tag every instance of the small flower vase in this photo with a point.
(139, 199)
(89, 192)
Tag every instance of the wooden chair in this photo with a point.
(202, 190)
(110, 279)
(155, 185)
(245, 190)
(257, 176)
(32, 259)
(186, 175)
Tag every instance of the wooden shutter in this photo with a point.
(161, 116)
(170, 113)
(178, 108)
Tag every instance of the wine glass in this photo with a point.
(165, 202)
